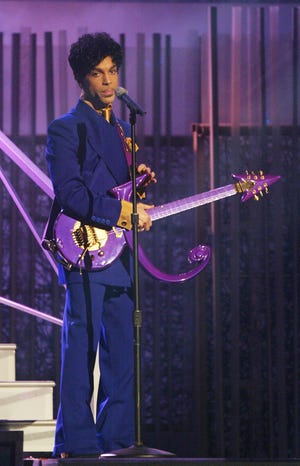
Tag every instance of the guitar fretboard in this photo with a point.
(171, 208)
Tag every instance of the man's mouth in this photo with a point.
(108, 93)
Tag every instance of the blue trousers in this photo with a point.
(96, 313)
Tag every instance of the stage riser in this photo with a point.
(38, 435)
(25, 406)
(23, 400)
(7, 361)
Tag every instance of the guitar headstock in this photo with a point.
(254, 185)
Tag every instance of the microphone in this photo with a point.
(122, 94)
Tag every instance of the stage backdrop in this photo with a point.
(220, 353)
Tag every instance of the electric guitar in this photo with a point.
(92, 248)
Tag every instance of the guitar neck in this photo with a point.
(172, 208)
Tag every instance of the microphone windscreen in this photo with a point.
(120, 91)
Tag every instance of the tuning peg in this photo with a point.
(256, 197)
(261, 173)
(261, 193)
(266, 190)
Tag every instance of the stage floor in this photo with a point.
(173, 461)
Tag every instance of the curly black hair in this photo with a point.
(89, 50)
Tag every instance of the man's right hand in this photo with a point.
(145, 221)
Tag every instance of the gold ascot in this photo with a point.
(106, 112)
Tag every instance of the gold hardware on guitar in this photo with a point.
(118, 232)
(88, 237)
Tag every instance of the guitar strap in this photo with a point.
(47, 239)
(126, 146)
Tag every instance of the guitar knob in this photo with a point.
(101, 253)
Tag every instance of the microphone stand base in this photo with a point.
(136, 451)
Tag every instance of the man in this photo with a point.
(86, 155)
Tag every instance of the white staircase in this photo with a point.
(25, 405)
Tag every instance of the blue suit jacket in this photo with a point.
(86, 158)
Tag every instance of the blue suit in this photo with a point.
(86, 158)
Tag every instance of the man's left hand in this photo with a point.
(142, 168)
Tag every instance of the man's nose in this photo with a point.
(106, 78)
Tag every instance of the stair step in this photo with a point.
(38, 435)
(8, 361)
(26, 400)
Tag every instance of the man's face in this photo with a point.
(102, 82)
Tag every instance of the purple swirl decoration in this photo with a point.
(199, 254)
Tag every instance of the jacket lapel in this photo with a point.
(105, 140)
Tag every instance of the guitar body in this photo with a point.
(85, 246)
(89, 247)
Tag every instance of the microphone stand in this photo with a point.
(138, 449)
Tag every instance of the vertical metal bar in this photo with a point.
(200, 320)
(253, 79)
(168, 91)
(63, 75)
(215, 228)
(31, 44)
(253, 90)
(156, 121)
(33, 84)
(15, 88)
(15, 118)
(141, 89)
(254, 375)
(280, 379)
(123, 72)
(295, 213)
(49, 77)
(141, 60)
(199, 94)
(235, 79)
(26, 103)
(32, 128)
(295, 67)
(263, 147)
(264, 117)
(156, 96)
(25, 84)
